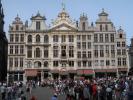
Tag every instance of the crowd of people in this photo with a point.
(95, 89)
(77, 89)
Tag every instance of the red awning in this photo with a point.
(85, 72)
(31, 72)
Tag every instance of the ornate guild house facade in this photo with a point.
(66, 48)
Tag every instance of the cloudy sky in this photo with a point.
(120, 11)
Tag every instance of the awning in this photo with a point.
(85, 72)
(31, 72)
(106, 70)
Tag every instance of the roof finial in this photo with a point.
(63, 5)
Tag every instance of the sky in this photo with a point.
(120, 11)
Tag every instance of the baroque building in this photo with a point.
(131, 57)
(3, 47)
(65, 49)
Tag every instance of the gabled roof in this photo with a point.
(38, 17)
(63, 22)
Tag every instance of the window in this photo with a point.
(113, 62)
(10, 62)
(83, 45)
(107, 62)
(16, 49)
(101, 62)
(78, 37)
(17, 27)
(101, 51)
(101, 27)
(106, 38)
(112, 51)
(79, 63)
(55, 63)
(89, 63)
(11, 37)
(16, 62)
(37, 25)
(123, 51)
(84, 63)
(83, 37)
(29, 52)
(89, 54)
(63, 38)
(89, 45)
(124, 62)
(63, 51)
(119, 61)
(96, 62)
(38, 38)
(29, 64)
(123, 44)
(78, 45)
(11, 49)
(95, 38)
(46, 39)
(118, 44)
(84, 54)
(45, 64)
(89, 37)
(71, 51)
(83, 26)
(112, 38)
(16, 37)
(29, 38)
(106, 27)
(21, 62)
(46, 52)
(118, 51)
(107, 51)
(95, 50)
(79, 54)
(55, 51)
(21, 49)
(71, 63)
(22, 37)
(71, 38)
(55, 38)
(38, 52)
(120, 35)
(101, 37)
(37, 64)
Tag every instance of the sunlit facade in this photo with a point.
(66, 48)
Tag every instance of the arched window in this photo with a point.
(46, 39)
(37, 52)
(17, 27)
(83, 26)
(106, 27)
(29, 38)
(45, 64)
(101, 27)
(37, 64)
(37, 38)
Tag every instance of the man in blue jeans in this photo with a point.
(54, 97)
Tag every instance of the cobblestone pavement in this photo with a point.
(43, 93)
